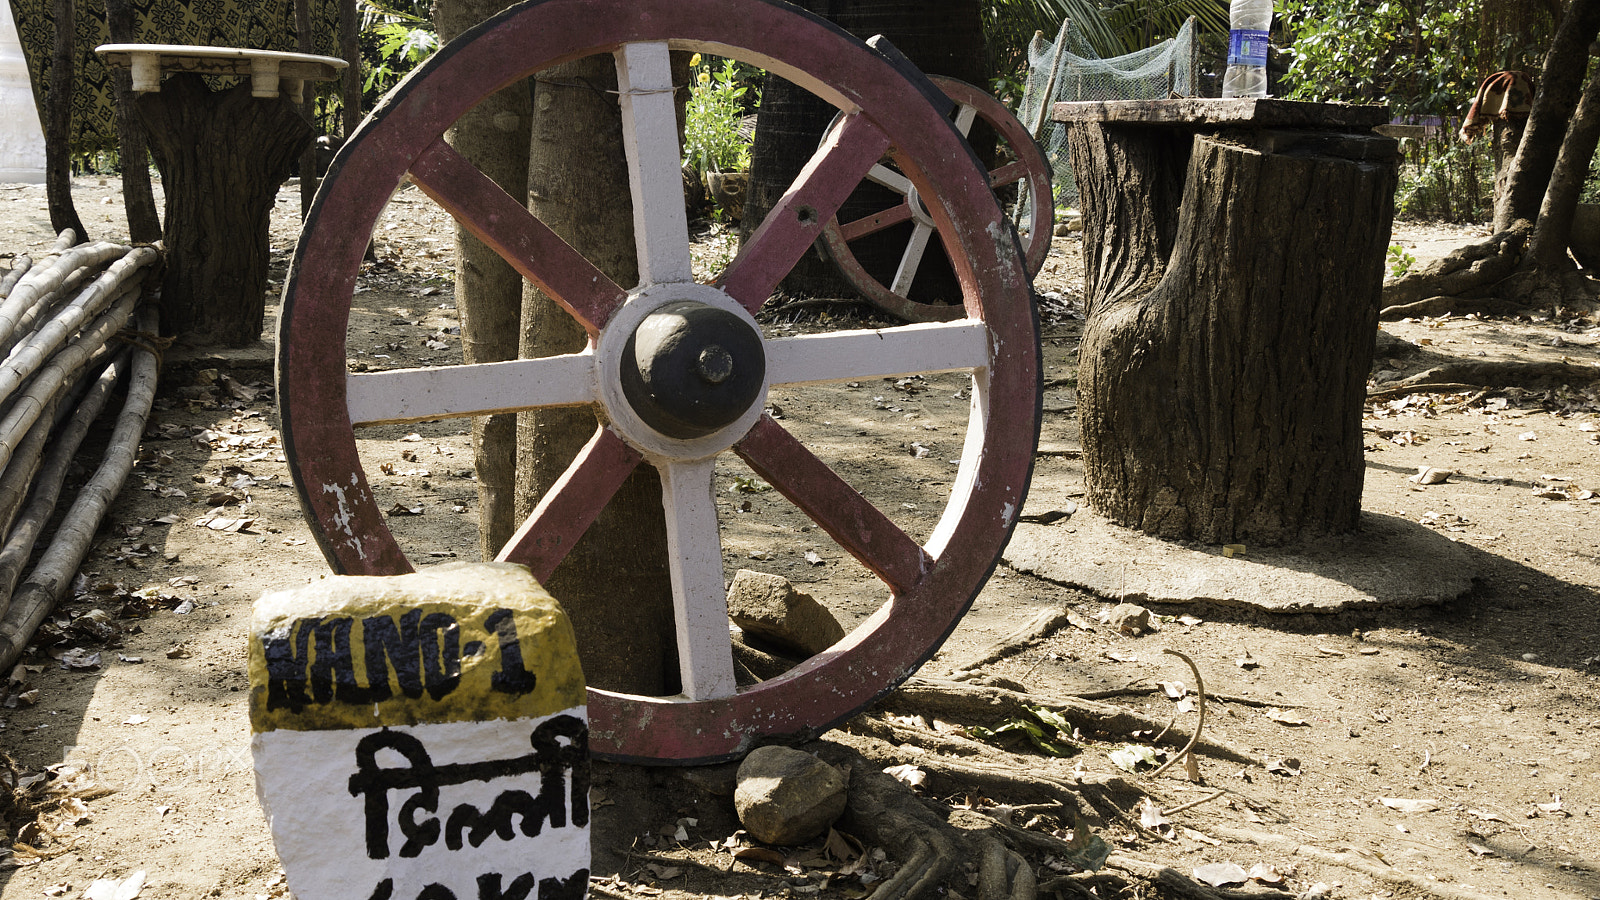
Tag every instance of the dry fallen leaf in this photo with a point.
(907, 774)
(759, 854)
(1430, 475)
(114, 889)
(842, 848)
(1219, 874)
(1401, 804)
(1286, 717)
(1246, 661)
(1266, 874)
(1151, 817)
(1554, 806)
(1289, 765)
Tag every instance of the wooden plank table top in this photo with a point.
(266, 68)
(1205, 113)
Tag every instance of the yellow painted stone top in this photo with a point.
(464, 642)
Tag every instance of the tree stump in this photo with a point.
(222, 156)
(1233, 274)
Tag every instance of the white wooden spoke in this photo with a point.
(965, 114)
(883, 175)
(912, 258)
(859, 355)
(655, 170)
(700, 603)
(415, 395)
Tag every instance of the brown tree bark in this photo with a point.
(494, 137)
(1547, 248)
(350, 82)
(1224, 404)
(306, 42)
(138, 200)
(615, 582)
(1560, 85)
(58, 128)
(222, 157)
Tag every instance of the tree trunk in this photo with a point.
(1547, 248)
(58, 131)
(306, 42)
(494, 137)
(1507, 138)
(1133, 220)
(350, 82)
(1560, 84)
(222, 157)
(614, 583)
(1225, 403)
(138, 200)
(943, 38)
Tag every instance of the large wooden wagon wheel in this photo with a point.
(718, 375)
(1022, 163)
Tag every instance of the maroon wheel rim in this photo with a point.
(932, 585)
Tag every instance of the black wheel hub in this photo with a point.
(690, 369)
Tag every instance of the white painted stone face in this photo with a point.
(321, 828)
(422, 737)
(21, 136)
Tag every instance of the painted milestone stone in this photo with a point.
(422, 737)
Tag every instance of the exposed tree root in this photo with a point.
(1182, 885)
(1046, 623)
(1465, 271)
(967, 702)
(1489, 277)
(921, 738)
(1440, 305)
(1466, 376)
(1022, 783)
(1200, 692)
(885, 812)
(1235, 699)
(1350, 861)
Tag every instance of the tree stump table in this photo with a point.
(222, 156)
(1233, 256)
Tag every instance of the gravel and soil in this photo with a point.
(1441, 751)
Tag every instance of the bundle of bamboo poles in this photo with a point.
(71, 328)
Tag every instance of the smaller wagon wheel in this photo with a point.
(1026, 165)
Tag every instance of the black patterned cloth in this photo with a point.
(250, 24)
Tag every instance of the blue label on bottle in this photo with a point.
(1247, 47)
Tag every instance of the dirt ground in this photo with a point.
(1441, 751)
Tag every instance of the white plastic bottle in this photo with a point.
(1248, 23)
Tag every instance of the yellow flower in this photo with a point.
(694, 60)
(704, 78)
